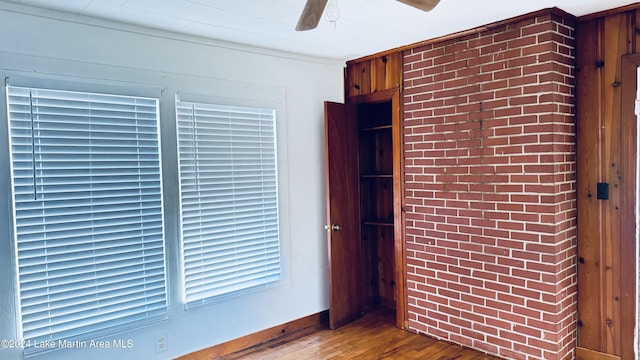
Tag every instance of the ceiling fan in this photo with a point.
(313, 10)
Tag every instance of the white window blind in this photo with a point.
(88, 211)
(229, 199)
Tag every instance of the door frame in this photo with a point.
(394, 95)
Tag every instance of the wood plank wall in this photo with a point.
(372, 74)
(606, 229)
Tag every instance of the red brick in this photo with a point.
(511, 280)
(490, 189)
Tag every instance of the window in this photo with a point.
(87, 211)
(229, 199)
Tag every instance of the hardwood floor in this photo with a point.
(374, 336)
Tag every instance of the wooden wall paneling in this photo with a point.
(628, 250)
(587, 125)
(385, 256)
(384, 206)
(586, 354)
(393, 78)
(384, 159)
(379, 73)
(606, 136)
(358, 78)
(386, 72)
(369, 267)
(628, 164)
(352, 86)
(365, 77)
(374, 74)
(615, 45)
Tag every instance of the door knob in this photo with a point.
(334, 227)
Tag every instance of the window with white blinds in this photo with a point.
(88, 212)
(229, 199)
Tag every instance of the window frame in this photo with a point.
(252, 100)
(95, 86)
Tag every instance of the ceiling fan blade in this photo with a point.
(424, 5)
(311, 14)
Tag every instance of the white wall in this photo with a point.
(48, 44)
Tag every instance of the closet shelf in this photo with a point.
(376, 176)
(379, 222)
(376, 128)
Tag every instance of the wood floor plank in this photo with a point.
(373, 336)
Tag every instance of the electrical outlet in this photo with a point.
(162, 342)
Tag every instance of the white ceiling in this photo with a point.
(364, 27)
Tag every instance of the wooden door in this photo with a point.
(343, 214)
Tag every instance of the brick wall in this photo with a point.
(489, 145)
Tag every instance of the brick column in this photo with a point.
(489, 143)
